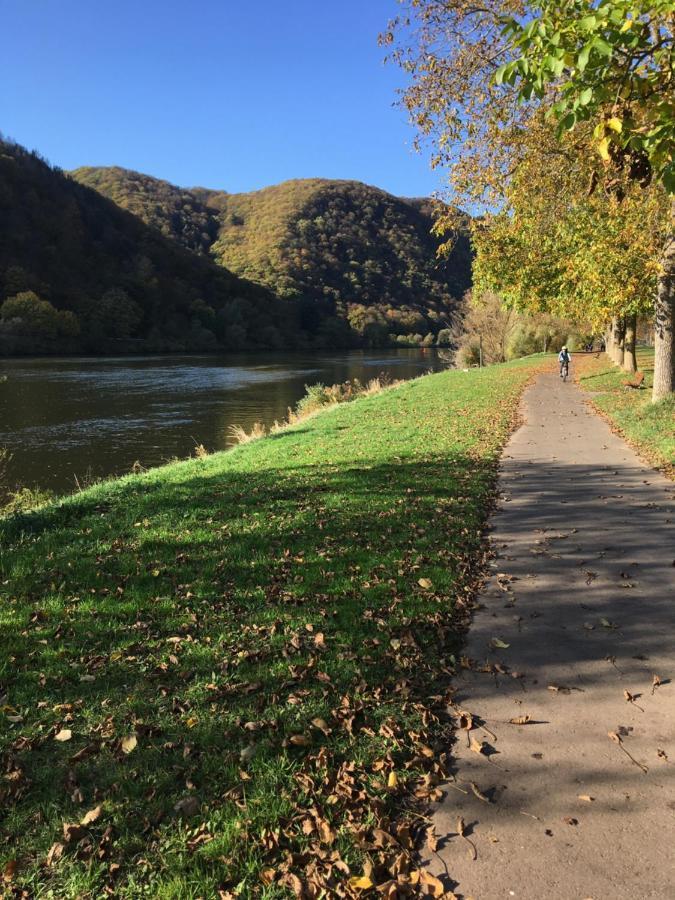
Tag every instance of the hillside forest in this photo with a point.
(108, 260)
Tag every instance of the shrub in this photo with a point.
(239, 435)
(26, 499)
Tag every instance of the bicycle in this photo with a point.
(564, 371)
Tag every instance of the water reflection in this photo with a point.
(63, 418)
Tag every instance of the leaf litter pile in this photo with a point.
(229, 677)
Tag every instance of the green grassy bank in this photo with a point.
(226, 677)
(650, 427)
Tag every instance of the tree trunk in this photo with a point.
(620, 347)
(664, 323)
(616, 353)
(609, 347)
(629, 357)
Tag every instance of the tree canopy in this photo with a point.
(555, 122)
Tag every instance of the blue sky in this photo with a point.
(231, 94)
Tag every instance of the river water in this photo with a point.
(70, 420)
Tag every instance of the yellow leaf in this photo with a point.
(192, 721)
(361, 883)
(64, 735)
(129, 743)
(425, 583)
(392, 781)
(603, 149)
(497, 642)
(615, 124)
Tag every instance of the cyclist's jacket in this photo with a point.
(564, 357)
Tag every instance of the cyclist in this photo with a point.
(564, 359)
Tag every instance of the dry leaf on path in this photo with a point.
(478, 793)
(477, 746)
(499, 643)
(586, 797)
(520, 720)
(630, 698)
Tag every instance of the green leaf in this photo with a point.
(587, 23)
(568, 122)
(585, 97)
(582, 59)
(601, 45)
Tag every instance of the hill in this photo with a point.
(343, 251)
(77, 272)
(176, 212)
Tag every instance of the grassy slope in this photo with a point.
(183, 607)
(650, 427)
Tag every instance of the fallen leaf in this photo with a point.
(360, 883)
(9, 870)
(570, 820)
(520, 720)
(630, 698)
(431, 884)
(247, 753)
(322, 725)
(92, 816)
(299, 740)
(656, 682)
(392, 780)
(499, 643)
(425, 583)
(129, 743)
(477, 746)
(586, 797)
(64, 735)
(187, 806)
(477, 791)
(55, 853)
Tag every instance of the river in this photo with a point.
(68, 421)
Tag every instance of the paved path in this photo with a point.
(585, 535)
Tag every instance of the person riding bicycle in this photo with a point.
(564, 360)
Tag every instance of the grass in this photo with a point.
(649, 427)
(238, 665)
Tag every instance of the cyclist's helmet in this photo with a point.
(564, 346)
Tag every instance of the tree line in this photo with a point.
(555, 123)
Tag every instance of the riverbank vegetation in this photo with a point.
(224, 677)
(649, 427)
(554, 122)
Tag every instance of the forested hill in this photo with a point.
(176, 212)
(358, 263)
(77, 272)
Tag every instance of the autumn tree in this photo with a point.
(611, 64)
(476, 93)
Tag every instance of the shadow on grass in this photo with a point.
(180, 611)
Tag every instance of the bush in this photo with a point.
(26, 313)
